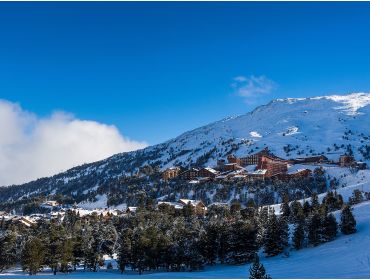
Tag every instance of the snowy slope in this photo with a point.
(289, 127)
(345, 257)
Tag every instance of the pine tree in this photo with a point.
(54, 246)
(283, 233)
(209, 243)
(7, 250)
(330, 228)
(272, 246)
(124, 253)
(242, 244)
(257, 270)
(66, 255)
(33, 255)
(315, 230)
(315, 203)
(299, 235)
(297, 212)
(262, 223)
(347, 221)
(284, 207)
(307, 208)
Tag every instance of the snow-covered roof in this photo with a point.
(187, 201)
(211, 170)
(174, 204)
(259, 172)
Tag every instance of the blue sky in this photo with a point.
(155, 70)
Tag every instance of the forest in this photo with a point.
(169, 239)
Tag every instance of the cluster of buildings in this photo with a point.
(258, 166)
(56, 212)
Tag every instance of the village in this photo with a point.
(259, 166)
(262, 165)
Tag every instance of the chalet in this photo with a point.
(190, 174)
(259, 174)
(346, 161)
(171, 173)
(219, 204)
(232, 167)
(50, 204)
(176, 205)
(199, 206)
(312, 159)
(24, 221)
(208, 172)
(3, 213)
(300, 173)
(220, 164)
(361, 165)
(131, 209)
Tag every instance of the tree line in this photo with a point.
(170, 239)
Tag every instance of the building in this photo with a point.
(361, 165)
(300, 173)
(313, 159)
(200, 208)
(272, 165)
(208, 172)
(232, 167)
(131, 209)
(171, 173)
(259, 174)
(346, 161)
(254, 159)
(176, 205)
(190, 174)
(233, 159)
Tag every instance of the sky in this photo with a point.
(146, 72)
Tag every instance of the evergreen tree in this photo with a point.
(33, 255)
(257, 270)
(297, 212)
(347, 221)
(272, 246)
(66, 256)
(209, 243)
(7, 250)
(242, 244)
(299, 235)
(330, 228)
(283, 232)
(315, 230)
(54, 246)
(284, 207)
(124, 253)
(307, 208)
(315, 203)
(262, 224)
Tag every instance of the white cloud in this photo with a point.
(32, 147)
(252, 86)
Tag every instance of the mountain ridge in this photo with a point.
(290, 128)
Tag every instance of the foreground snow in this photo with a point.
(345, 257)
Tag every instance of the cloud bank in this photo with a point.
(32, 147)
(253, 87)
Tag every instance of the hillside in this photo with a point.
(330, 125)
(345, 257)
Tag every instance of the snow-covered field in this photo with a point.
(345, 257)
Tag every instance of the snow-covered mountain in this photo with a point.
(293, 127)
